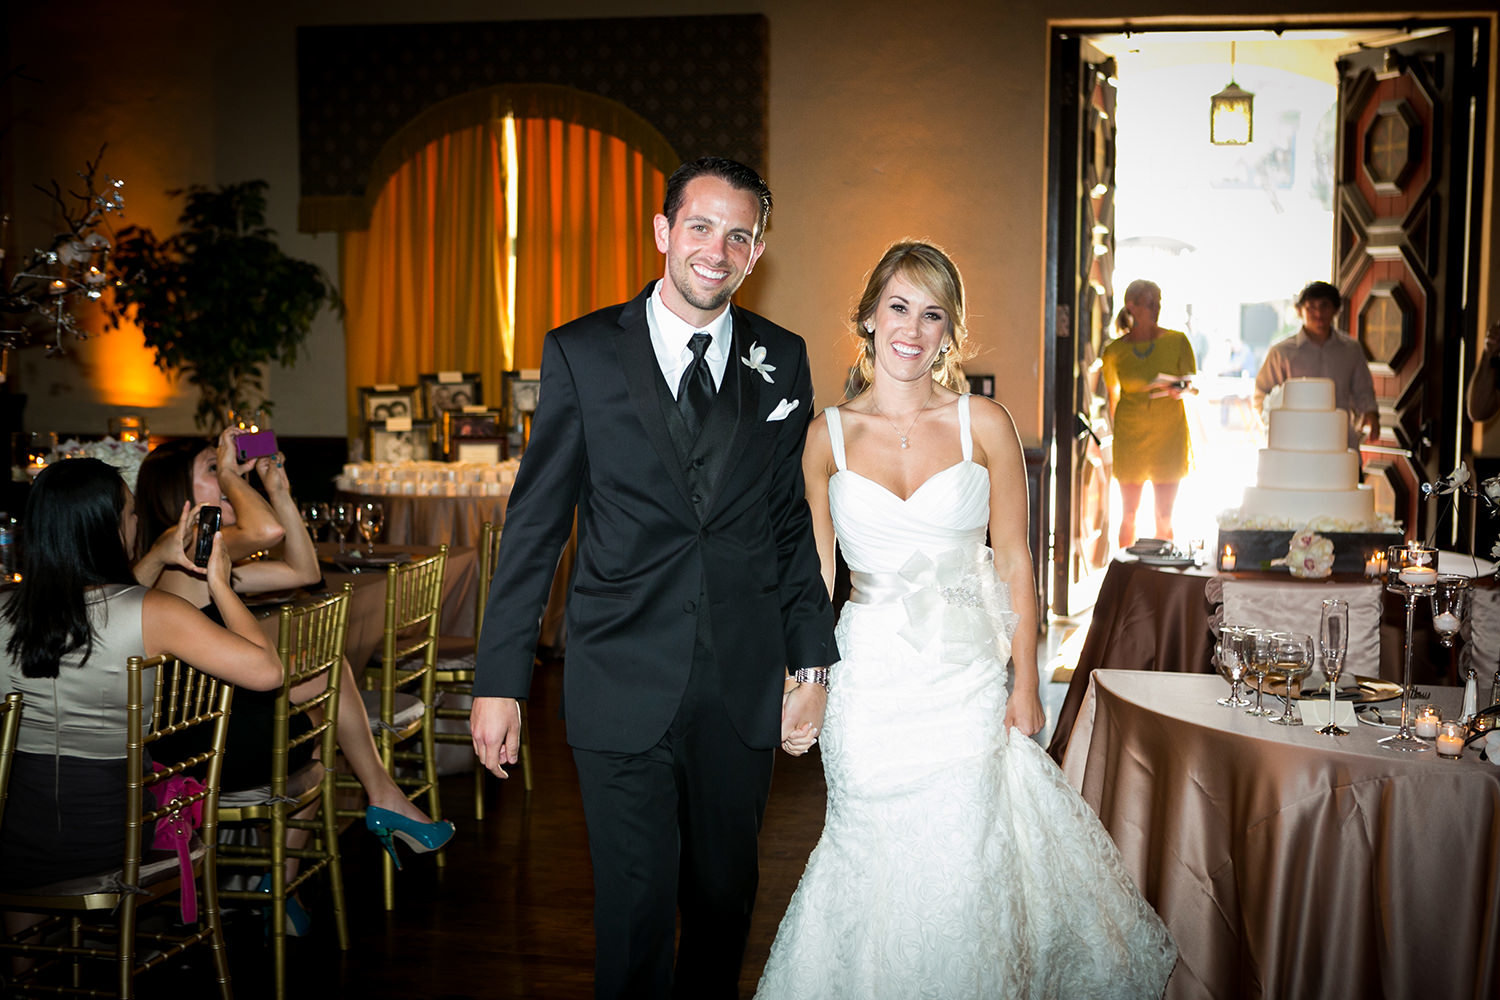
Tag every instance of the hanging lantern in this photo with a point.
(1231, 112)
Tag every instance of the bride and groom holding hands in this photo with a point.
(955, 861)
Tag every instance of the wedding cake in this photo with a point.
(1307, 478)
(1308, 472)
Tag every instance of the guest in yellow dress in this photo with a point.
(1146, 373)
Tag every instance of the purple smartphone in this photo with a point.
(257, 445)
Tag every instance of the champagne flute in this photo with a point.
(1333, 644)
(369, 517)
(314, 516)
(341, 516)
(1230, 656)
(1294, 661)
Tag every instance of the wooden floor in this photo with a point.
(511, 914)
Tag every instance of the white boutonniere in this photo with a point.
(757, 362)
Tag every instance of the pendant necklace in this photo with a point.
(922, 409)
(1150, 346)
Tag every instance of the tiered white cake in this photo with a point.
(1308, 472)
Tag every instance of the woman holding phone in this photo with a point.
(67, 630)
(192, 471)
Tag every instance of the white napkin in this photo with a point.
(1315, 713)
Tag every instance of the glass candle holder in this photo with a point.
(1413, 564)
(1429, 718)
(1450, 740)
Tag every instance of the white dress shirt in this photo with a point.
(670, 335)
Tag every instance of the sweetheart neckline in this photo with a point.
(907, 499)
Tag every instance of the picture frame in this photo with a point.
(399, 440)
(448, 390)
(382, 402)
(524, 394)
(475, 434)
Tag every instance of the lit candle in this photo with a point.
(1450, 740)
(1226, 561)
(1418, 576)
(58, 286)
(1428, 720)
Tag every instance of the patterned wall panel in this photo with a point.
(358, 85)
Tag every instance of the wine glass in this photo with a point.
(341, 515)
(369, 516)
(1333, 644)
(1262, 650)
(314, 516)
(1294, 661)
(1230, 654)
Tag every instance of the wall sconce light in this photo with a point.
(1231, 117)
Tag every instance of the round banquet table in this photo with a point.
(1288, 864)
(419, 520)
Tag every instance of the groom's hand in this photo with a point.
(802, 707)
(495, 726)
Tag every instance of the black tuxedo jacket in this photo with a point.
(658, 529)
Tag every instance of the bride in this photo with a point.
(955, 860)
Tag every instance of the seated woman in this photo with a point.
(194, 472)
(68, 628)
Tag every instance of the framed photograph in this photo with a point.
(399, 440)
(981, 385)
(444, 391)
(475, 435)
(524, 393)
(384, 402)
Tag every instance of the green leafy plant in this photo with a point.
(218, 300)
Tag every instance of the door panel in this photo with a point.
(1405, 193)
(1081, 242)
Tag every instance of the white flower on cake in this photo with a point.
(1309, 555)
(1235, 519)
(125, 456)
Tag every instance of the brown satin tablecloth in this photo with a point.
(413, 520)
(367, 603)
(1289, 864)
(1145, 618)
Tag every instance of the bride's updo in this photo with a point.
(929, 268)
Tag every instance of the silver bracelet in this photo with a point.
(811, 675)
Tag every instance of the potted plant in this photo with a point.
(218, 300)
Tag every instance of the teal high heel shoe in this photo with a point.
(422, 838)
(298, 920)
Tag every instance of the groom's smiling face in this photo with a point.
(711, 245)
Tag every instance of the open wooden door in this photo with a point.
(1411, 148)
(1081, 244)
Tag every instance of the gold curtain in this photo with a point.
(583, 233)
(425, 286)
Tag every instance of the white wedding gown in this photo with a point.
(956, 861)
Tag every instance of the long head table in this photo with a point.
(1289, 864)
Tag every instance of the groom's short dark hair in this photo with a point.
(733, 172)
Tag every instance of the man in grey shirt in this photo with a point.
(1320, 351)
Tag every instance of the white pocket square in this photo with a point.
(783, 409)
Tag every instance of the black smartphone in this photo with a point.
(209, 519)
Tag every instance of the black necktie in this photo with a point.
(695, 393)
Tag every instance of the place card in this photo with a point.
(1315, 713)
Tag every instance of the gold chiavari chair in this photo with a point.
(455, 672)
(310, 641)
(10, 730)
(399, 695)
(181, 699)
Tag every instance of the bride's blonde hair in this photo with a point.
(931, 269)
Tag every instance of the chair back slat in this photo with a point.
(413, 602)
(310, 642)
(10, 731)
(489, 558)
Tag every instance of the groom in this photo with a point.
(674, 425)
